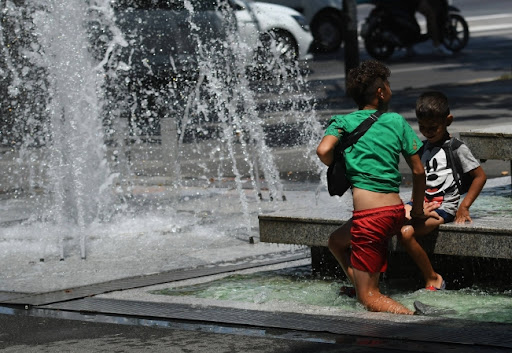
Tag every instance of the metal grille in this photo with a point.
(429, 330)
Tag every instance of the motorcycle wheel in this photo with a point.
(376, 46)
(456, 34)
(327, 32)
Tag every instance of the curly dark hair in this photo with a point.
(364, 80)
(432, 104)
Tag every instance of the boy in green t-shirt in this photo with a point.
(360, 245)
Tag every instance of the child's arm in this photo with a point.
(418, 186)
(474, 190)
(407, 211)
(325, 150)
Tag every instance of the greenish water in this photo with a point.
(493, 202)
(295, 286)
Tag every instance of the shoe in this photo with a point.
(440, 50)
(429, 310)
(348, 291)
(433, 289)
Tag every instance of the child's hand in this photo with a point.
(429, 209)
(463, 215)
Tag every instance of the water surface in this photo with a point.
(298, 287)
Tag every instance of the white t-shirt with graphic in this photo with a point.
(441, 186)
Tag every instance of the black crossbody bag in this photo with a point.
(337, 181)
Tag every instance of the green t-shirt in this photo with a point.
(372, 163)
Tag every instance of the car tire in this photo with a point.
(285, 44)
(278, 50)
(327, 31)
(377, 45)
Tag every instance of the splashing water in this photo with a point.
(70, 139)
(89, 132)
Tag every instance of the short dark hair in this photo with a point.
(432, 104)
(364, 80)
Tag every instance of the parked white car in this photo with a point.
(163, 34)
(286, 25)
(324, 18)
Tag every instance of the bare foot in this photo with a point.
(435, 284)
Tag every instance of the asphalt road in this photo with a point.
(477, 80)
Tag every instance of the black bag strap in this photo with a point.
(454, 160)
(359, 131)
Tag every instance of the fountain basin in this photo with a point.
(462, 253)
(490, 143)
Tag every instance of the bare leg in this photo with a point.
(368, 294)
(366, 284)
(427, 10)
(420, 257)
(339, 245)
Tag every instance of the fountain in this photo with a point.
(92, 134)
(64, 151)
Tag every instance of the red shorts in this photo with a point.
(371, 231)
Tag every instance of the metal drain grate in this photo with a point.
(6, 296)
(438, 330)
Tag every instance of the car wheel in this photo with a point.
(282, 45)
(327, 32)
(277, 54)
(377, 46)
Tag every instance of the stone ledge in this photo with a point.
(490, 143)
(485, 237)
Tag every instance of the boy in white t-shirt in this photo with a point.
(442, 194)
